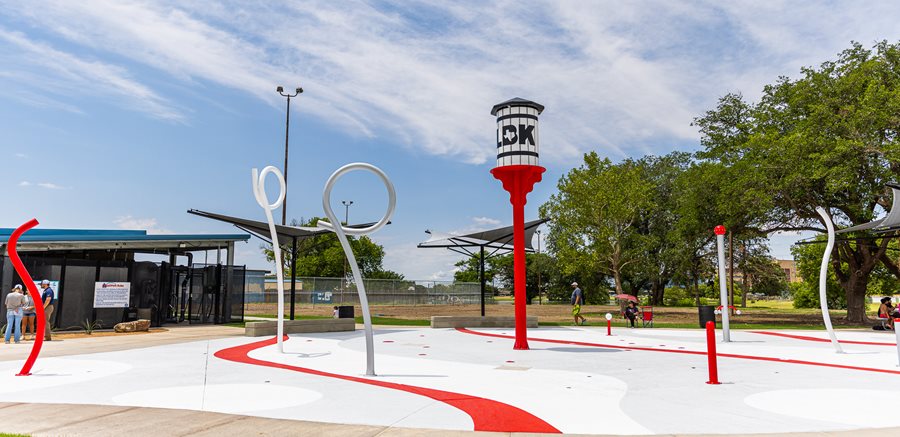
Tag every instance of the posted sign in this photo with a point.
(112, 294)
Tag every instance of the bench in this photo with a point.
(269, 327)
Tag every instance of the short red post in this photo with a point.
(711, 352)
(609, 327)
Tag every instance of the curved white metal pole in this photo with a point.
(259, 192)
(723, 287)
(342, 233)
(823, 276)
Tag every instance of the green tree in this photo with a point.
(551, 282)
(830, 139)
(469, 269)
(661, 248)
(322, 256)
(594, 219)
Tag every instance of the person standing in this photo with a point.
(48, 299)
(28, 317)
(577, 302)
(14, 302)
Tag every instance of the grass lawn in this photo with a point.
(763, 314)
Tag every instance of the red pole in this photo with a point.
(711, 352)
(518, 181)
(608, 328)
(519, 269)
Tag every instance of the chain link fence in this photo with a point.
(337, 291)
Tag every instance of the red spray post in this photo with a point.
(711, 353)
(32, 290)
(608, 324)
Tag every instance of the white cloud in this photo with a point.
(54, 71)
(420, 264)
(148, 224)
(47, 185)
(486, 221)
(621, 77)
(51, 186)
(21, 155)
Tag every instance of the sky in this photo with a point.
(125, 114)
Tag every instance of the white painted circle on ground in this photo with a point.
(830, 405)
(53, 372)
(222, 398)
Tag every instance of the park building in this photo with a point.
(105, 277)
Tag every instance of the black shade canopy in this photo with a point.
(286, 234)
(497, 239)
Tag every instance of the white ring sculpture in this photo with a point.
(342, 233)
(259, 191)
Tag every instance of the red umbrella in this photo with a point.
(626, 297)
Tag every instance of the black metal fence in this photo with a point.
(337, 291)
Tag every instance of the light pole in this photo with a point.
(347, 204)
(287, 127)
(538, 259)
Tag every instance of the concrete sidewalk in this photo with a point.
(62, 346)
(103, 420)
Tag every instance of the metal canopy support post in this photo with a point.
(229, 284)
(293, 275)
(481, 277)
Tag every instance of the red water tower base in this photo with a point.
(519, 180)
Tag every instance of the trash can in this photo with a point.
(345, 312)
(707, 314)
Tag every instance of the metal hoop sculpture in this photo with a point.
(259, 192)
(342, 233)
(823, 272)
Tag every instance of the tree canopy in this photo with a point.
(322, 256)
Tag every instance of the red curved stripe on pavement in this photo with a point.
(677, 351)
(487, 415)
(821, 340)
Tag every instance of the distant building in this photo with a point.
(789, 267)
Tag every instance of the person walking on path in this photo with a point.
(14, 303)
(577, 302)
(28, 317)
(48, 298)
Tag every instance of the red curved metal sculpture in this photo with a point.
(32, 290)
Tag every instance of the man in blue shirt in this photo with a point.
(48, 297)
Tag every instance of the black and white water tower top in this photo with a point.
(518, 135)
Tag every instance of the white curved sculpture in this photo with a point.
(259, 192)
(342, 233)
(823, 272)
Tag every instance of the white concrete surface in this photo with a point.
(612, 389)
